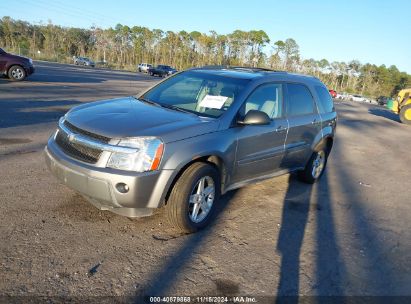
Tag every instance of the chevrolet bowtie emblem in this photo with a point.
(71, 137)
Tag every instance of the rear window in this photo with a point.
(300, 100)
(325, 104)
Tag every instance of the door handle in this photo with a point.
(279, 128)
(315, 122)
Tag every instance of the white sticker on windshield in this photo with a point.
(213, 102)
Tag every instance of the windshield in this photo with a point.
(201, 93)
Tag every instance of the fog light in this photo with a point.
(122, 188)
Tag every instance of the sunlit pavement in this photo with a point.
(347, 235)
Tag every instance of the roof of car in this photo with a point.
(253, 73)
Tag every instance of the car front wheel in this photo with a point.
(192, 201)
(16, 73)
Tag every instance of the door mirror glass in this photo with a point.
(255, 117)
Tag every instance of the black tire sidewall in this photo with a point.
(13, 68)
(185, 187)
(306, 175)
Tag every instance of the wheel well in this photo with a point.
(13, 65)
(329, 141)
(326, 142)
(212, 160)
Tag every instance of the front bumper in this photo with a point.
(146, 190)
(29, 70)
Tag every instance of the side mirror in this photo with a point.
(255, 117)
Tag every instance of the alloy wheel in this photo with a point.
(201, 199)
(318, 164)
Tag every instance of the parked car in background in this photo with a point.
(333, 93)
(161, 70)
(382, 100)
(342, 96)
(84, 61)
(357, 98)
(15, 67)
(191, 138)
(144, 67)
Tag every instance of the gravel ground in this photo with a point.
(347, 235)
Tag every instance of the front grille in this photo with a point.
(86, 133)
(77, 151)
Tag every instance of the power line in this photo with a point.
(102, 16)
(66, 10)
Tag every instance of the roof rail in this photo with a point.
(245, 68)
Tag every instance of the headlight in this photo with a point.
(148, 157)
(31, 61)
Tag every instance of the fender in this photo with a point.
(209, 147)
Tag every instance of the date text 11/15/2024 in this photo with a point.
(202, 299)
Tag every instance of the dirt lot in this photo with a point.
(350, 234)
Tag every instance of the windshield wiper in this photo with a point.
(175, 108)
(147, 101)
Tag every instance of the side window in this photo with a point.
(325, 104)
(267, 98)
(300, 100)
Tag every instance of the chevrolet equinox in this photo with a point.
(191, 138)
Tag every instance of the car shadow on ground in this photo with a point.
(385, 113)
(159, 282)
(305, 203)
(300, 201)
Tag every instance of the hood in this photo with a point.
(12, 56)
(129, 117)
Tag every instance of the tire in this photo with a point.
(180, 211)
(319, 159)
(139, 70)
(16, 73)
(405, 114)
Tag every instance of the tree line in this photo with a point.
(123, 47)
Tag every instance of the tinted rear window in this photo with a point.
(325, 104)
(300, 100)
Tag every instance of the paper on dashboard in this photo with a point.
(213, 102)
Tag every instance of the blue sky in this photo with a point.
(367, 30)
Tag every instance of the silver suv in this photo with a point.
(83, 61)
(191, 138)
(144, 67)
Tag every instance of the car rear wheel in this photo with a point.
(315, 166)
(405, 114)
(192, 200)
(16, 73)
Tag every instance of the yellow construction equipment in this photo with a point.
(402, 105)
